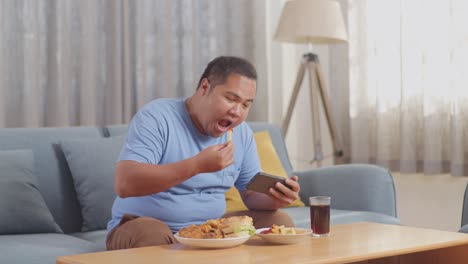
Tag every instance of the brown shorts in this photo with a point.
(134, 231)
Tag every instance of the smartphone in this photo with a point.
(262, 182)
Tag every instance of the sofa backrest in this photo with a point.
(55, 181)
(54, 178)
(115, 130)
(464, 220)
(275, 134)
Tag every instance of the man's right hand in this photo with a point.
(216, 157)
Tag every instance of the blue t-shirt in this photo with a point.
(162, 132)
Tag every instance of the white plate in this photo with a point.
(212, 242)
(284, 239)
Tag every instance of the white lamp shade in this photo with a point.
(311, 21)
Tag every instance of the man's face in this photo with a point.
(226, 105)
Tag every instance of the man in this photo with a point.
(177, 162)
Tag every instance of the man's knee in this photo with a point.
(277, 217)
(266, 218)
(153, 232)
(140, 232)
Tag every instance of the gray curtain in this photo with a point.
(95, 62)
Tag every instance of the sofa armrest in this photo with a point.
(357, 187)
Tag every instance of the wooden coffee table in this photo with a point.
(349, 243)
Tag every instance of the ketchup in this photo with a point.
(268, 231)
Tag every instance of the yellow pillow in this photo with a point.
(270, 163)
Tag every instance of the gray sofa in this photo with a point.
(56, 190)
(464, 219)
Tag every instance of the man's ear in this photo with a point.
(204, 86)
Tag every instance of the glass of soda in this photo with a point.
(320, 215)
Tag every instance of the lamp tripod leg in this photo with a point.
(292, 101)
(314, 109)
(337, 147)
(317, 86)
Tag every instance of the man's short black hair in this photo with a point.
(218, 70)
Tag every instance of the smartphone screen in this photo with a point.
(262, 182)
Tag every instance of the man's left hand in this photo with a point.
(284, 195)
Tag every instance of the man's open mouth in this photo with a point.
(225, 123)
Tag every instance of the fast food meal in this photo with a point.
(281, 230)
(234, 226)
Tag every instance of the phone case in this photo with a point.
(262, 182)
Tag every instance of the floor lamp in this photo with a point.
(312, 22)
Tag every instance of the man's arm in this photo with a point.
(134, 178)
(276, 199)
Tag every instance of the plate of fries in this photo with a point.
(283, 235)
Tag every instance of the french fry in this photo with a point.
(282, 230)
(230, 134)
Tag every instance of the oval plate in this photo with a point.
(284, 239)
(212, 242)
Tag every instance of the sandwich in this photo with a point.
(237, 226)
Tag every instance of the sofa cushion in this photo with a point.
(92, 164)
(41, 248)
(22, 206)
(270, 163)
(50, 167)
(278, 142)
(98, 237)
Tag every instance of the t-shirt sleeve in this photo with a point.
(145, 138)
(250, 164)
